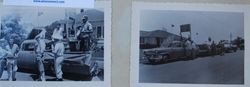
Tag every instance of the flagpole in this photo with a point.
(38, 17)
(230, 38)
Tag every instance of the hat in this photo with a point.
(84, 17)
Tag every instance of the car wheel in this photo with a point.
(166, 58)
(151, 59)
(235, 50)
(193, 54)
(221, 53)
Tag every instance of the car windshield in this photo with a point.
(176, 45)
(173, 45)
(203, 46)
(227, 44)
(34, 33)
(28, 47)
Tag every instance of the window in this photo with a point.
(142, 41)
(99, 32)
(28, 47)
(64, 31)
(94, 31)
(103, 32)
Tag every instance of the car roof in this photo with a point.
(176, 41)
(29, 41)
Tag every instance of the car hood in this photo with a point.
(156, 49)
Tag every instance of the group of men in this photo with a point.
(9, 51)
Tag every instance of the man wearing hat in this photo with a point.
(12, 60)
(40, 48)
(84, 34)
(58, 51)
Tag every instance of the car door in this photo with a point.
(185, 50)
(189, 50)
(181, 50)
(177, 50)
(27, 56)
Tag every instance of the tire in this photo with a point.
(193, 54)
(164, 58)
(151, 60)
(235, 50)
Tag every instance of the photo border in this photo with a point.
(106, 5)
(137, 7)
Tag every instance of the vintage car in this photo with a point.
(204, 50)
(230, 48)
(77, 63)
(168, 51)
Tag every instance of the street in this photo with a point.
(227, 69)
(24, 76)
(28, 75)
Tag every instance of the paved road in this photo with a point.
(26, 75)
(227, 69)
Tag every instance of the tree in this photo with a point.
(11, 28)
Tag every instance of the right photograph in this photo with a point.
(191, 47)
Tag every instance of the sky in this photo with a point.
(30, 14)
(37, 16)
(204, 24)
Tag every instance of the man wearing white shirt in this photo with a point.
(58, 51)
(40, 48)
(12, 60)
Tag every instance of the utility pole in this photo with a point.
(231, 38)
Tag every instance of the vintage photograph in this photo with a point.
(51, 44)
(191, 47)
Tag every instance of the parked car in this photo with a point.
(230, 48)
(204, 50)
(77, 63)
(220, 49)
(242, 46)
(168, 51)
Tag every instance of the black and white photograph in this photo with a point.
(52, 44)
(203, 47)
(187, 46)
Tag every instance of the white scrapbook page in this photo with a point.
(189, 45)
(43, 46)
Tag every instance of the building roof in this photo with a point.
(156, 33)
(93, 15)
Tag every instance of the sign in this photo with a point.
(52, 3)
(185, 28)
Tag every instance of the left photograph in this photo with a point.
(52, 44)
